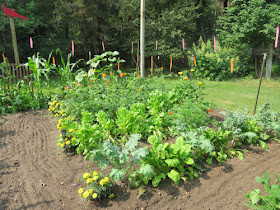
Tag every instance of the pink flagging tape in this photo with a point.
(183, 43)
(31, 42)
(132, 48)
(277, 37)
(73, 48)
(103, 46)
(215, 47)
(156, 44)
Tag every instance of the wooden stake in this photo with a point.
(14, 37)
(170, 63)
(118, 63)
(152, 65)
(264, 58)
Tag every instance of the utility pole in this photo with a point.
(142, 38)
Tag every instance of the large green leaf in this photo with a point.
(157, 179)
(254, 196)
(174, 175)
(172, 162)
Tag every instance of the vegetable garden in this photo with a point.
(140, 132)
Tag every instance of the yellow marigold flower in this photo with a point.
(139, 89)
(192, 70)
(81, 190)
(103, 75)
(111, 74)
(74, 138)
(95, 173)
(86, 175)
(102, 182)
(60, 135)
(90, 191)
(58, 144)
(67, 142)
(95, 178)
(89, 180)
(61, 145)
(112, 195)
(71, 130)
(107, 179)
(86, 75)
(93, 71)
(86, 194)
(180, 73)
(186, 78)
(200, 83)
(94, 195)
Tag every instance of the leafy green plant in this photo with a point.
(216, 65)
(271, 200)
(65, 70)
(186, 116)
(123, 160)
(175, 160)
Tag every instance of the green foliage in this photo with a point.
(271, 200)
(15, 100)
(175, 160)
(270, 121)
(187, 115)
(216, 65)
(122, 159)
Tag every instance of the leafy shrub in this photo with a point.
(216, 65)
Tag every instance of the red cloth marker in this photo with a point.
(12, 13)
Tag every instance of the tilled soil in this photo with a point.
(34, 174)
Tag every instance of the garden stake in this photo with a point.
(170, 63)
(231, 65)
(264, 58)
(118, 63)
(152, 65)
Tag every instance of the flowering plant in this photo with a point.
(97, 186)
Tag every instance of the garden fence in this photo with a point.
(12, 74)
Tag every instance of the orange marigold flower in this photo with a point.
(124, 74)
(170, 112)
(86, 75)
(92, 80)
(111, 74)
(181, 103)
(138, 75)
(103, 75)
(121, 75)
(161, 68)
(139, 89)
(209, 110)
(107, 81)
(195, 101)
(76, 83)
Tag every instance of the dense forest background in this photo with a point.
(247, 26)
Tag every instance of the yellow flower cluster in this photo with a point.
(87, 193)
(200, 83)
(104, 181)
(55, 107)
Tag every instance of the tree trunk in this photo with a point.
(269, 61)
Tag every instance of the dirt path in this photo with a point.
(35, 175)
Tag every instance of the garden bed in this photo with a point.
(34, 174)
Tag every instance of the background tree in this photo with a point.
(251, 24)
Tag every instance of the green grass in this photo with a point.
(242, 94)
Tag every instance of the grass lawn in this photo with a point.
(242, 94)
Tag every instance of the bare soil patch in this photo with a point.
(34, 174)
